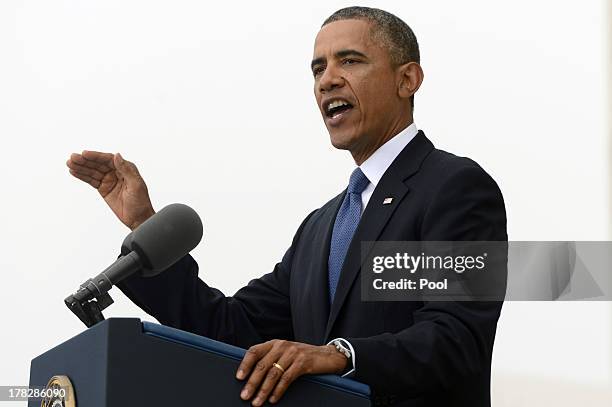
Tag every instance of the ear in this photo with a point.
(410, 77)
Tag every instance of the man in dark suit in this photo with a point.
(306, 316)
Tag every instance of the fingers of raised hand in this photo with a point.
(101, 160)
(83, 177)
(83, 169)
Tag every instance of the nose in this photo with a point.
(330, 79)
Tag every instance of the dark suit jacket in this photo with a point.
(410, 353)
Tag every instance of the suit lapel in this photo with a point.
(320, 294)
(376, 216)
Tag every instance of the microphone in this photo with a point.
(152, 247)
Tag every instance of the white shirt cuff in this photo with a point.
(353, 356)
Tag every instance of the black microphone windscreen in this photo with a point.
(166, 237)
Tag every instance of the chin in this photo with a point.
(341, 141)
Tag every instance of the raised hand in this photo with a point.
(118, 182)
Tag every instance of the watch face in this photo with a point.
(340, 348)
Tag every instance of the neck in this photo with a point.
(362, 153)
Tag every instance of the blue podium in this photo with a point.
(125, 362)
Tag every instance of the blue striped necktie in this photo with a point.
(345, 225)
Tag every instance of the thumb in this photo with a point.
(125, 168)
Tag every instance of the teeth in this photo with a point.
(336, 103)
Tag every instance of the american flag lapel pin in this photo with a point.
(387, 201)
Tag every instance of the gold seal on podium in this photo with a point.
(59, 393)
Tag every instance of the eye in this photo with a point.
(349, 61)
(318, 70)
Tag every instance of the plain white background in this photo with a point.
(214, 103)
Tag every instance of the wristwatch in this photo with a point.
(343, 346)
(342, 349)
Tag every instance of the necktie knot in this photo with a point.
(358, 182)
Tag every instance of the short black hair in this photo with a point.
(390, 30)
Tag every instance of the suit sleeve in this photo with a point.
(256, 313)
(449, 341)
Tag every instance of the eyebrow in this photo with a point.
(340, 54)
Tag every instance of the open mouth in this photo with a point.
(337, 107)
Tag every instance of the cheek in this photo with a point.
(371, 95)
(318, 98)
(373, 101)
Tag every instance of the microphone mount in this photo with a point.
(92, 297)
(88, 303)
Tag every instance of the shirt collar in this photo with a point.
(376, 165)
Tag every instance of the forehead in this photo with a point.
(343, 34)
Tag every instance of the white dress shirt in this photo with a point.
(378, 163)
(374, 168)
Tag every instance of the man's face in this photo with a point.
(355, 85)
